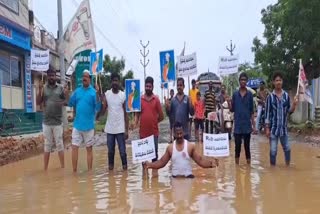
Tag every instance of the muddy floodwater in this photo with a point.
(26, 188)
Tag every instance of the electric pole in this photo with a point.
(144, 55)
(231, 49)
(61, 54)
(61, 60)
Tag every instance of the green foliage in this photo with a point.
(117, 66)
(292, 32)
(253, 71)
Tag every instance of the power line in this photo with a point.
(117, 14)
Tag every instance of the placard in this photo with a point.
(40, 60)
(216, 145)
(143, 150)
(133, 95)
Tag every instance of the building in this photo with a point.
(16, 91)
(19, 32)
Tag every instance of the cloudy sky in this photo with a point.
(207, 26)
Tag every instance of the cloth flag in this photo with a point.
(303, 86)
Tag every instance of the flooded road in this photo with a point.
(25, 188)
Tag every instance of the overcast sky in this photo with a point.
(206, 26)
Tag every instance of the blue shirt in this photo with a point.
(179, 112)
(277, 112)
(85, 103)
(243, 110)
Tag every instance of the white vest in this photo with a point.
(181, 164)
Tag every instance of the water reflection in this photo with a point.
(25, 188)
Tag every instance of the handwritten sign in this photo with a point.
(39, 60)
(187, 65)
(216, 145)
(228, 65)
(143, 150)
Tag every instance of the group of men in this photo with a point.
(88, 102)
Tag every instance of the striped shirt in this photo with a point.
(277, 112)
(210, 101)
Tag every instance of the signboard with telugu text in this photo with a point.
(143, 150)
(216, 145)
(40, 60)
(187, 65)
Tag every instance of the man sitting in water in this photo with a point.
(180, 153)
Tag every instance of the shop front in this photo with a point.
(16, 90)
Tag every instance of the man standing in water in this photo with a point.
(117, 122)
(242, 106)
(151, 114)
(210, 103)
(261, 98)
(193, 97)
(180, 153)
(180, 108)
(86, 103)
(168, 101)
(53, 97)
(278, 108)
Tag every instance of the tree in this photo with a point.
(292, 32)
(116, 66)
(253, 71)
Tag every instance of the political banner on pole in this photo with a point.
(187, 65)
(228, 65)
(96, 62)
(143, 150)
(167, 66)
(303, 86)
(133, 95)
(79, 33)
(40, 60)
(216, 145)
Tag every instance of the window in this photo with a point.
(10, 68)
(5, 69)
(11, 4)
(15, 72)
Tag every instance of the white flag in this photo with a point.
(79, 34)
(181, 54)
(72, 67)
(303, 86)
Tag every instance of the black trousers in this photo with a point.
(208, 124)
(238, 140)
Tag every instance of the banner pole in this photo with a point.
(300, 62)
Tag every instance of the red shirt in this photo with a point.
(149, 115)
(199, 109)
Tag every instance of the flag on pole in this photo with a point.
(181, 54)
(79, 33)
(303, 86)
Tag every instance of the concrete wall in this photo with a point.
(301, 113)
(21, 18)
(12, 97)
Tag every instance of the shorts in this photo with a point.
(53, 134)
(198, 124)
(82, 137)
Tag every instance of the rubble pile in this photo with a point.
(15, 149)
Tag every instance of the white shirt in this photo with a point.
(181, 162)
(115, 122)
